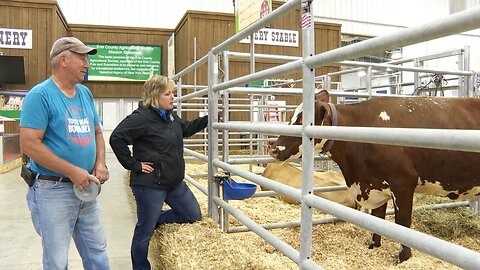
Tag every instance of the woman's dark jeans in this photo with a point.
(184, 208)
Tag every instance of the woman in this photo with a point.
(157, 165)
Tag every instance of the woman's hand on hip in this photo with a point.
(147, 167)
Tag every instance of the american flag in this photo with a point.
(306, 20)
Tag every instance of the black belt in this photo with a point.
(50, 177)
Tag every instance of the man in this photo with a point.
(60, 132)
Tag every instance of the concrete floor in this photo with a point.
(20, 246)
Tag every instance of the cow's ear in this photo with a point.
(322, 96)
(320, 112)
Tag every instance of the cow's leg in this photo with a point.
(403, 216)
(380, 213)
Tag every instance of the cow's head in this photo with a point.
(287, 146)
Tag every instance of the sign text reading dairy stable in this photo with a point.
(124, 62)
(277, 37)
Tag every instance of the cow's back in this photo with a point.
(438, 172)
(415, 112)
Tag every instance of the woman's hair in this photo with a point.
(153, 87)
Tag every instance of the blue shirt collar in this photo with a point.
(162, 113)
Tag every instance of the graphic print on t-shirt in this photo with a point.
(78, 126)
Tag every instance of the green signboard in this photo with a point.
(260, 84)
(119, 62)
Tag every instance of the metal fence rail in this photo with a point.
(462, 140)
(446, 139)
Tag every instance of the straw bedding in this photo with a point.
(203, 245)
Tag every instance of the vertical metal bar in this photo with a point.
(368, 81)
(225, 135)
(179, 94)
(252, 70)
(308, 41)
(226, 108)
(205, 136)
(250, 137)
(261, 114)
(328, 83)
(393, 82)
(417, 82)
(461, 79)
(475, 82)
(212, 135)
(470, 81)
(466, 67)
(252, 54)
(195, 60)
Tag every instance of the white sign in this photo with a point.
(276, 37)
(250, 11)
(171, 56)
(15, 38)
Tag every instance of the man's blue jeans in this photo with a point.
(58, 215)
(184, 208)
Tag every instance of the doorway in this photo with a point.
(111, 112)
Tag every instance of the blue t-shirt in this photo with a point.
(69, 123)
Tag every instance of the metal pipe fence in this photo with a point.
(462, 140)
(290, 224)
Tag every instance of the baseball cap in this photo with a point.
(70, 44)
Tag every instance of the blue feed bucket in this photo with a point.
(237, 191)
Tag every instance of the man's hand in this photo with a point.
(101, 172)
(80, 178)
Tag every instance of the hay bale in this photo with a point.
(203, 245)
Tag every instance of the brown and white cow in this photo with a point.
(288, 174)
(376, 173)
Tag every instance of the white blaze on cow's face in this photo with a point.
(317, 148)
(375, 197)
(384, 116)
(283, 149)
(296, 114)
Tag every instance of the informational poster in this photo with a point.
(119, 62)
(171, 56)
(250, 11)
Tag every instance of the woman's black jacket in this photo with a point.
(156, 140)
